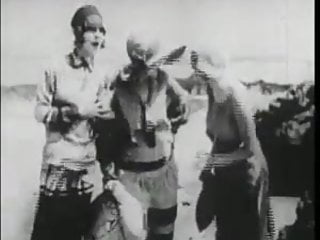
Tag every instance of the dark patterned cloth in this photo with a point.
(64, 205)
(60, 181)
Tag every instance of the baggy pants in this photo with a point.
(239, 207)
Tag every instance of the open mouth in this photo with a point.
(95, 44)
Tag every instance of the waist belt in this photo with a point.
(143, 166)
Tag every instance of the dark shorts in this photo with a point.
(154, 189)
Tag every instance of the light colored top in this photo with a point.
(73, 148)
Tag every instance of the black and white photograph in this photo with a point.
(157, 120)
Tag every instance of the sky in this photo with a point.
(263, 38)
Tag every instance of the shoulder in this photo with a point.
(234, 89)
(161, 73)
(163, 76)
(238, 97)
(49, 69)
(55, 64)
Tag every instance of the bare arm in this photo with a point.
(175, 92)
(174, 88)
(178, 107)
(245, 123)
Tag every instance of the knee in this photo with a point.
(155, 236)
(160, 230)
(162, 217)
(161, 223)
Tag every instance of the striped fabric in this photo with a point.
(61, 181)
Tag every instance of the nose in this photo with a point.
(98, 33)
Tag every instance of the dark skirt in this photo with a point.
(229, 196)
(63, 207)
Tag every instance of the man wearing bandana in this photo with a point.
(149, 107)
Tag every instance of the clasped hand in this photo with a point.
(97, 109)
(90, 110)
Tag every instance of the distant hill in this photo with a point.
(191, 84)
(266, 87)
(22, 92)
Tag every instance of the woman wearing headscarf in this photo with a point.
(67, 104)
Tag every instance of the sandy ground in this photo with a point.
(22, 140)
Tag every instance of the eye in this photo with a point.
(94, 29)
(102, 30)
(90, 29)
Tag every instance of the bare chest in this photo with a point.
(221, 122)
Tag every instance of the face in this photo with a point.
(138, 56)
(213, 64)
(139, 52)
(93, 38)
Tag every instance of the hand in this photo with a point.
(43, 177)
(96, 109)
(162, 125)
(105, 114)
(180, 119)
(254, 171)
(68, 113)
(117, 188)
(108, 172)
(150, 125)
(182, 110)
(89, 111)
(111, 185)
(124, 74)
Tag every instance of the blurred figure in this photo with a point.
(115, 215)
(67, 104)
(304, 226)
(149, 107)
(235, 177)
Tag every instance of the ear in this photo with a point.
(78, 34)
(103, 44)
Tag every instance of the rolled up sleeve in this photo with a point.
(44, 111)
